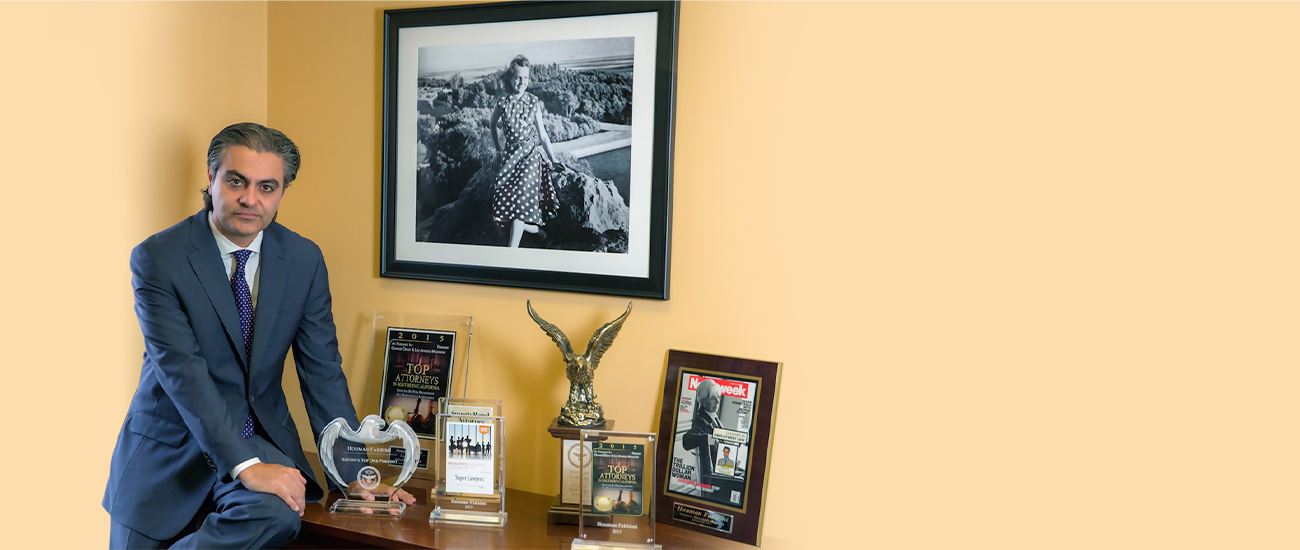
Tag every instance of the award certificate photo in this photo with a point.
(470, 458)
(417, 372)
(616, 478)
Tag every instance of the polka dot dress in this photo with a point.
(524, 190)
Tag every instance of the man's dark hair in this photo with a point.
(258, 138)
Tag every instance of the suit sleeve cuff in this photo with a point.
(234, 473)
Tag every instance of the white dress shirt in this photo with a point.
(251, 267)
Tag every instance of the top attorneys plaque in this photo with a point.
(618, 473)
(416, 360)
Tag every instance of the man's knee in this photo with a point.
(124, 538)
(283, 525)
(271, 523)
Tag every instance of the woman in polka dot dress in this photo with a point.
(524, 195)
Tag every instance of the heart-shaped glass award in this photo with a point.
(369, 464)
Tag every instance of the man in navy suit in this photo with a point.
(221, 298)
(726, 461)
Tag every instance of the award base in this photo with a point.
(468, 517)
(392, 509)
(471, 487)
(579, 544)
(562, 512)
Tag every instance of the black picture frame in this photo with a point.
(408, 248)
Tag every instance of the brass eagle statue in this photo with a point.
(582, 410)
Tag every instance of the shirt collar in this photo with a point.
(226, 246)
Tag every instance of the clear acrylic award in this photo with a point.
(469, 407)
(619, 468)
(368, 464)
(470, 486)
(416, 360)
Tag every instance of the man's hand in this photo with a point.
(282, 481)
(389, 493)
(386, 491)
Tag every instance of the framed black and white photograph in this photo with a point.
(529, 144)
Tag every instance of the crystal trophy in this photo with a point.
(369, 464)
(619, 468)
(470, 485)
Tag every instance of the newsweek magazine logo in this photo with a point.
(730, 388)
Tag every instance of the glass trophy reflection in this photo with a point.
(369, 464)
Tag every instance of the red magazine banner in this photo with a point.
(730, 388)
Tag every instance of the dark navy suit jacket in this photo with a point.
(182, 431)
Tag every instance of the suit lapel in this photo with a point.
(274, 270)
(211, 271)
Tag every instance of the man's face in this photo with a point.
(726, 453)
(246, 191)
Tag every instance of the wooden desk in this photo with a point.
(525, 527)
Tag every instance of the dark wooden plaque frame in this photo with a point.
(746, 519)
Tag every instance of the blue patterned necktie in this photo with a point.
(244, 301)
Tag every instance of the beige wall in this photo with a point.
(1031, 267)
(1033, 262)
(105, 114)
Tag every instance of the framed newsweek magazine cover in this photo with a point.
(715, 442)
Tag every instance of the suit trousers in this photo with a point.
(241, 518)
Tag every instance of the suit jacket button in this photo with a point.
(210, 463)
(251, 399)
